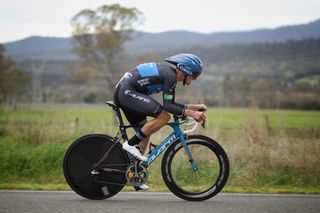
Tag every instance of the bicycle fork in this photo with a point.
(183, 140)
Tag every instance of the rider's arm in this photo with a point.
(176, 108)
(168, 97)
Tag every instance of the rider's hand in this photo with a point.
(199, 116)
(197, 107)
(201, 107)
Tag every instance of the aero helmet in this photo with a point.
(189, 64)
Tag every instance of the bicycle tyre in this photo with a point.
(79, 160)
(173, 167)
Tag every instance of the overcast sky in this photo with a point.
(23, 18)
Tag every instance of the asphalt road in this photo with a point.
(66, 201)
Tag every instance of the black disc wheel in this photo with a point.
(82, 157)
(195, 184)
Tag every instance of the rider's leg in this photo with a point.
(153, 126)
(143, 144)
(149, 128)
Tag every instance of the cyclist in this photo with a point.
(132, 96)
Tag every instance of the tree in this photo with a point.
(100, 36)
(13, 81)
(143, 58)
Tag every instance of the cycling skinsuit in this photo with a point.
(133, 90)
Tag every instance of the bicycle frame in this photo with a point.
(176, 134)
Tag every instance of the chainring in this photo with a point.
(136, 175)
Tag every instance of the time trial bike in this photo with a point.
(194, 167)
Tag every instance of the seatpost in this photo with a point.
(120, 123)
(117, 114)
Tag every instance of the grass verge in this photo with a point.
(272, 151)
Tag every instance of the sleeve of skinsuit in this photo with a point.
(168, 96)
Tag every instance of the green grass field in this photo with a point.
(269, 150)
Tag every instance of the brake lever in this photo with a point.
(203, 124)
(181, 117)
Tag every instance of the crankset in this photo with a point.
(136, 174)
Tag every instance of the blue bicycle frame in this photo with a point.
(176, 134)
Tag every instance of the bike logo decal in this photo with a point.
(185, 69)
(155, 153)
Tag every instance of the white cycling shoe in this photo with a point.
(134, 151)
(143, 187)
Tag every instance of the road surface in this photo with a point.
(68, 202)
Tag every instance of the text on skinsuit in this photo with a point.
(128, 92)
(144, 81)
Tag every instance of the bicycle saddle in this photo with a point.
(112, 104)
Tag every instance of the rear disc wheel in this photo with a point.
(79, 162)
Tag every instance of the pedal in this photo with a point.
(137, 188)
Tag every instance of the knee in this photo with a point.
(164, 116)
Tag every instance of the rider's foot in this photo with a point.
(142, 187)
(134, 151)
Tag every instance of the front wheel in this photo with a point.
(195, 185)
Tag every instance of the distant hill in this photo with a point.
(177, 39)
(40, 47)
(60, 48)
